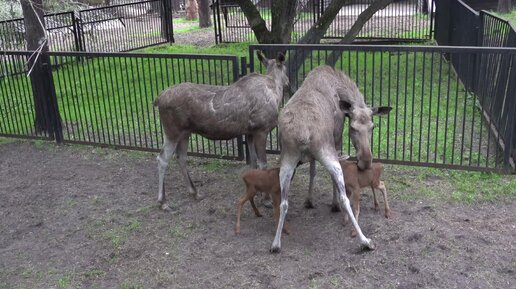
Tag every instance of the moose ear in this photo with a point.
(280, 58)
(263, 59)
(381, 110)
(345, 107)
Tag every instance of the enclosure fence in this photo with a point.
(439, 117)
(459, 25)
(400, 21)
(114, 28)
(436, 120)
(107, 99)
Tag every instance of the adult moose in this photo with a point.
(307, 128)
(249, 106)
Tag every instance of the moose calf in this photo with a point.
(356, 179)
(261, 181)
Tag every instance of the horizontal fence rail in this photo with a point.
(436, 119)
(409, 20)
(114, 28)
(107, 98)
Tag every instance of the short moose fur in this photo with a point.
(357, 179)
(260, 181)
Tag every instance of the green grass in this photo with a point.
(238, 49)
(415, 183)
(191, 29)
(511, 16)
(184, 20)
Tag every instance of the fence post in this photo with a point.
(75, 30)
(167, 28)
(245, 143)
(51, 102)
(45, 96)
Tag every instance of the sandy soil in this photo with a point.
(84, 217)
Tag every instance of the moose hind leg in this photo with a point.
(181, 159)
(163, 158)
(332, 164)
(286, 172)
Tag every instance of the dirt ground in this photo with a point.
(85, 217)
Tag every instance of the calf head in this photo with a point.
(361, 128)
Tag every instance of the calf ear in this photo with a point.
(263, 59)
(381, 110)
(280, 58)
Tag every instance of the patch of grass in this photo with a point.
(177, 232)
(238, 49)
(215, 165)
(94, 273)
(411, 183)
(134, 225)
(511, 16)
(4, 140)
(190, 29)
(64, 282)
(184, 20)
(131, 285)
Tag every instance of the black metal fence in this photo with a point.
(114, 28)
(106, 98)
(402, 21)
(458, 24)
(440, 116)
(436, 120)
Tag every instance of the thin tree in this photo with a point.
(191, 9)
(204, 13)
(504, 6)
(35, 36)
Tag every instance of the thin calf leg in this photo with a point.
(255, 209)
(240, 204)
(182, 149)
(375, 199)
(309, 199)
(163, 158)
(385, 201)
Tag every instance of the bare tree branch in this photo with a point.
(358, 25)
(258, 25)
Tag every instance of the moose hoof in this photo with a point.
(165, 207)
(387, 214)
(199, 196)
(309, 204)
(369, 246)
(335, 208)
(353, 234)
(275, 249)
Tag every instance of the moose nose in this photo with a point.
(365, 161)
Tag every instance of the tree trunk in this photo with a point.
(35, 37)
(504, 6)
(191, 9)
(204, 13)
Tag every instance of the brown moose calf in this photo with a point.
(266, 181)
(356, 179)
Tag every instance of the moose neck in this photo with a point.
(277, 76)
